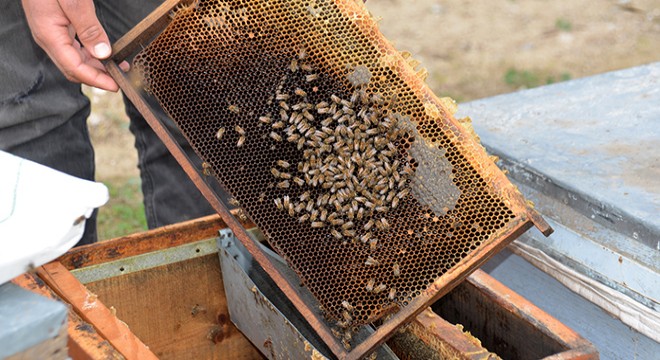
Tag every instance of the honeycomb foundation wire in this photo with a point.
(329, 141)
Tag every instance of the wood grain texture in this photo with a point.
(83, 340)
(179, 310)
(91, 309)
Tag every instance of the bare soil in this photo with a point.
(471, 49)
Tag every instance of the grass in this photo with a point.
(124, 213)
(526, 79)
(563, 25)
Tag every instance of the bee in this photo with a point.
(336, 234)
(298, 181)
(370, 285)
(325, 123)
(314, 215)
(240, 142)
(336, 333)
(300, 143)
(403, 193)
(299, 207)
(283, 164)
(302, 54)
(380, 288)
(349, 233)
(392, 294)
(304, 196)
(347, 104)
(275, 136)
(395, 202)
(300, 92)
(234, 202)
(310, 206)
(286, 201)
(282, 96)
(347, 317)
(373, 244)
(306, 67)
(346, 344)
(278, 203)
(303, 218)
(324, 215)
(278, 125)
(283, 115)
(347, 305)
(284, 106)
(265, 119)
(283, 184)
(220, 133)
(365, 238)
(371, 262)
(207, 169)
(234, 109)
(311, 77)
(360, 213)
(368, 225)
(347, 225)
(239, 130)
(294, 65)
(307, 115)
(384, 225)
(381, 208)
(292, 211)
(396, 270)
(241, 215)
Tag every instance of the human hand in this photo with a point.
(55, 24)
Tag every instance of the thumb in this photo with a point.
(82, 15)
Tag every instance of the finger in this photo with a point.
(82, 15)
(124, 66)
(71, 62)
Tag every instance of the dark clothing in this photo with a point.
(43, 117)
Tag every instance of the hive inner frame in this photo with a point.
(521, 222)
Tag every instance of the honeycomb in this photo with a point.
(327, 138)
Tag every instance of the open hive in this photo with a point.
(330, 142)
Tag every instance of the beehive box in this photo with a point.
(137, 303)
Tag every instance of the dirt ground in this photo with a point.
(471, 49)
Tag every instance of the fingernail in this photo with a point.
(102, 50)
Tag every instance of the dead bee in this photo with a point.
(371, 262)
(234, 109)
(311, 77)
(275, 136)
(241, 141)
(300, 92)
(278, 203)
(283, 184)
(220, 133)
(392, 294)
(396, 270)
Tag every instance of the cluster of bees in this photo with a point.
(352, 173)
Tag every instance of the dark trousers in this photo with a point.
(43, 117)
